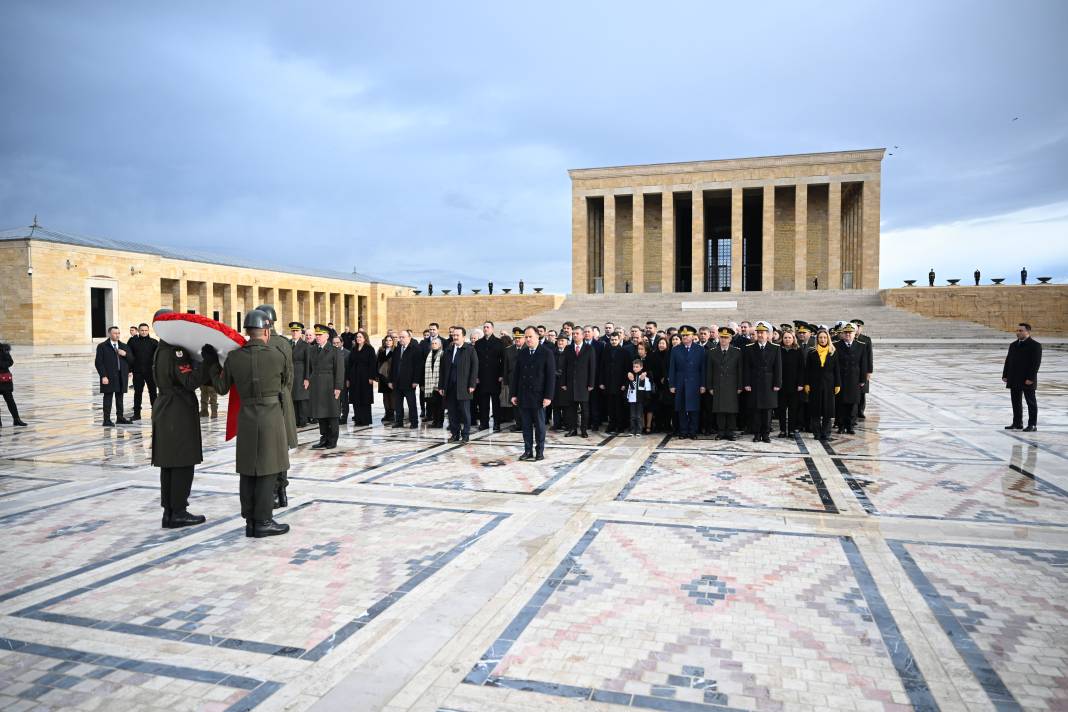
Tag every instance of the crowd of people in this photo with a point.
(714, 381)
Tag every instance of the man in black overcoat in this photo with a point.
(490, 352)
(853, 366)
(457, 380)
(1020, 376)
(580, 378)
(113, 361)
(762, 374)
(143, 349)
(405, 375)
(533, 382)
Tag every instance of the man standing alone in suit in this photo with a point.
(533, 383)
(1020, 376)
(113, 365)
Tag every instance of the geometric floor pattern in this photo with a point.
(921, 564)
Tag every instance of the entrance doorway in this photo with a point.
(99, 303)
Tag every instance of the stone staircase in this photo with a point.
(882, 322)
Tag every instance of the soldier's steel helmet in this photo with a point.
(269, 311)
(256, 319)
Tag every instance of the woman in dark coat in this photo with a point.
(822, 382)
(361, 375)
(7, 384)
(383, 364)
(790, 394)
(657, 367)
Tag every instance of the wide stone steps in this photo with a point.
(824, 307)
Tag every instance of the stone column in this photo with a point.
(697, 241)
(580, 248)
(609, 244)
(209, 298)
(801, 237)
(667, 241)
(737, 266)
(834, 236)
(183, 295)
(869, 248)
(637, 236)
(767, 267)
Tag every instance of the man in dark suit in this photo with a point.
(686, 378)
(113, 365)
(862, 338)
(459, 375)
(1020, 376)
(762, 375)
(853, 366)
(533, 382)
(404, 377)
(580, 378)
(612, 382)
(142, 349)
(490, 352)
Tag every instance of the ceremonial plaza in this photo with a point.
(919, 562)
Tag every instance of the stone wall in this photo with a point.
(467, 310)
(53, 306)
(1043, 306)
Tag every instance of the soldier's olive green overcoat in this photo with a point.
(257, 371)
(175, 417)
(286, 348)
(326, 369)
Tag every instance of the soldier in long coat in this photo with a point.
(286, 349)
(300, 395)
(686, 379)
(762, 375)
(257, 371)
(176, 443)
(723, 381)
(561, 404)
(326, 378)
(853, 367)
(580, 378)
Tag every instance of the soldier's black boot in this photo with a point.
(281, 499)
(185, 519)
(269, 528)
(249, 529)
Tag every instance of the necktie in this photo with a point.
(576, 349)
(454, 350)
(532, 352)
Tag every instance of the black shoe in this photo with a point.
(526, 456)
(756, 438)
(135, 416)
(1031, 429)
(464, 440)
(454, 438)
(268, 528)
(281, 499)
(108, 424)
(249, 531)
(729, 436)
(765, 438)
(1014, 427)
(540, 455)
(861, 416)
(20, 424)
(850, 431)
(584, 434)
(571, 434)
(516, 429)
(413, 426)
(496, 428)
(124, 421)
(782, 434)
(319, 446)
(183, 519)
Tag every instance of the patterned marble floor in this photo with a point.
(921, 564)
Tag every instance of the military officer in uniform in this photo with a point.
(284, 347)
(176, 445)
(866, 340)
(257, 371)
(853, 367)
(762, 375)
(299, 395)
(326, 378)
(723, 381)
(686, 379)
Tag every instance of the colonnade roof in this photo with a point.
(43, 234)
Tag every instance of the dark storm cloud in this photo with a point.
(420, 140)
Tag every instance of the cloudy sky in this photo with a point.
(429, 140)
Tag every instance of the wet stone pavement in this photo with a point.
(920, 564)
